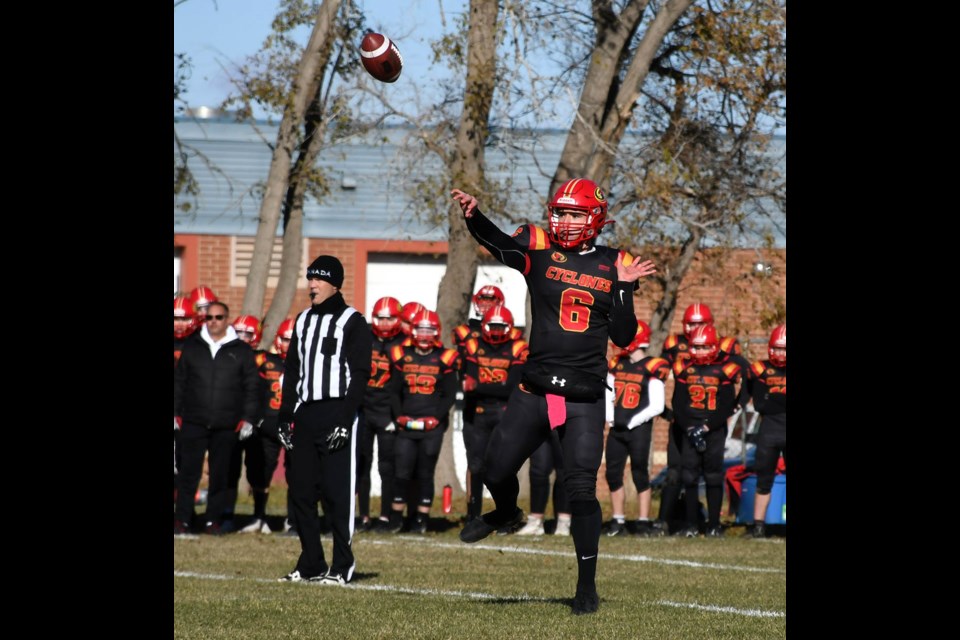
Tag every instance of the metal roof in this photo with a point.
(367, 199)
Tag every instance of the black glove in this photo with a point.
(337, 438)
(696, 436)
(285, 434)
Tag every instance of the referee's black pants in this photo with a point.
(317, 474)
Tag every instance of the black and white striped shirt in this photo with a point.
(328, 360)
(324, 373)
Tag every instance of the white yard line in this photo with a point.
(754, 613)
(479, 595)
(603, 556)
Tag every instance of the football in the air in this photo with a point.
(380, 57)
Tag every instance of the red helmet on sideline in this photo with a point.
(282, 339)
(777, 349)
(704, 336)
(497, 324)
(386, 317)
(248, 329)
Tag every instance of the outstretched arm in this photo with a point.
(501, 246)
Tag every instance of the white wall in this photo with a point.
(419, 282)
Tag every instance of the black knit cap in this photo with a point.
(326, 268)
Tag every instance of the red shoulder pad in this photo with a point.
(515, 334)
(678, 367)
(731, 369)
(658, 367)
(758, 368)
(730, 345)
(449, 356)
(396, 353)
(460, 332)
(471, 346)
(670, 342)
(538, 238)
(518, 348)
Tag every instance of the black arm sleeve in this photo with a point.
(395, 387)
(448, 395)
(358, 351)
(179, 379)
(252, 391)
(501, 246)
(623, 320)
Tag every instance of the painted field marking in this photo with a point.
(479, 595)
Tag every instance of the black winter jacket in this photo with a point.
(216, 392)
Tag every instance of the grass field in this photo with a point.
(433, 586)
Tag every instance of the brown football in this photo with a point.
(380, 57)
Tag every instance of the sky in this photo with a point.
(221, 33)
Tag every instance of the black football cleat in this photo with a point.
(617, 529)
(479, 528)
(585, 602)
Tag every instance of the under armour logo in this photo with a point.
(561, 381)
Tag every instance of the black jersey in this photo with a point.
(630, 383)
(767, 384)
(495, 367)
(577, 304)
(705, 393)
(378, 398)
(270, 368)
(426, 384)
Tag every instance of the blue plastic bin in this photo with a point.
(777, 509)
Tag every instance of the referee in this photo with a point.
(327, 368)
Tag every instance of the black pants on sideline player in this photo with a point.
(545, 460)
(416, 458)
(317, 474)
(635, 444)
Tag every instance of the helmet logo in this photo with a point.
(556, 256)
(598, 194)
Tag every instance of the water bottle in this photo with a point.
(447, 498)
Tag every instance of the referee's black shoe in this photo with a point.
(479, 528)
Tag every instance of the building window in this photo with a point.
(242, 252)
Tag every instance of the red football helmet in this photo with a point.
(248, 329)
(407, 313)
(386, 317)
(201, 297)
(497, 324)
(641, 339)
(777, 349)
(282, 339)
(696, 315)
(704, 335)
(581, 196)
(183, 317)
(485, 297)
(426, 329)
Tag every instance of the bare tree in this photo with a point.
(303, 90)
